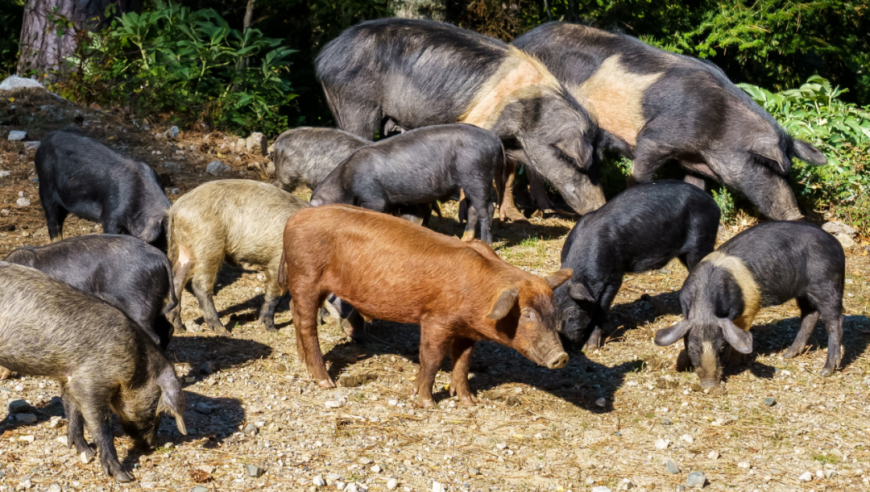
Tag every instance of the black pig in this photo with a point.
(766, 265)
(641, 229)
(47, 329)
(122, 270)
(415, 73)
(82, 176)
(307, 155)
(658, 106)
(422, 166)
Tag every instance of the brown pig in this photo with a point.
(393, 270)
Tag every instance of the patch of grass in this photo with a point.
(827, 459)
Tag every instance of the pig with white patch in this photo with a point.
(655, 106)
(408, 74)
(766, 265)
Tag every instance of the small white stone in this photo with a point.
(376, 469)
(351, 487)
(687, 438)
(27, 438)
(501, 446)
(63, 440)
(17, 135)
(22, 202)
(54, 422)
(713, 455)
(332, 404)
(743, 464)
(601, 402)
(392, 484)
(437, 487)
(318, 481)
(85, 458)
(392, 403)
(806, 477)
(601, 488)
(662, 443)
(25, 485)
(54, 488)
(3, 174)
(829, 473)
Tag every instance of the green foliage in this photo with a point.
(188, 65)
(11, 12)
(814, 112)
(726, 204)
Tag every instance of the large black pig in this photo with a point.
(641, 229)
(47, 329)
(80, 175)
(419, 167)
(415, 73)
(122, 270)
(658, 106)
(766, 265)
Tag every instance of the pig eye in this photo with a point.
(531, 315)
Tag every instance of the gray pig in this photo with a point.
(416, 73)
(47, 329)
(307, 155)
(655, 106)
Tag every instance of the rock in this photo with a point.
(55, 487)
(25, 485)
(19, 406)
(662, 443)
(667, 421)
(687, 439)
(770, 401)
(85, 458)
(672, 467)
(63, 440)
(437, 487)
(54, 422)
(392, 403)
(829, 473)
(601, 488)
(206, 409)
(217, 168)
(3, 174)
(743, 464)
(351, 381)
(174, 191)
(251, 429)
(351, 487)
(696, 479)
(31, 145)
(28, 438)
(392, 484)
(22, 202)
(256, 144)
(332, 404)
(376, 469)
(473, 471)
(806, 477)
(172, 167)
(254, 471)
(838, 228)
(17, 135)
(16, 82)
(625, 484)
(26, 418)
(318, 481)
(4, 212)
(172, 132)
(601, 402)
(199, 488)
(713, 455)
(681, 488)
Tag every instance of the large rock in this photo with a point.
(217, 168)
(256, 144)
(842, 232)
(16, 82)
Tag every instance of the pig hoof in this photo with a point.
(468, 401)
(512, 215)
(468, 236)
(326, 383)
(789, 354)
(123, 477)
(427, 403)
(271, 328)
(826, 372)
(219, 329)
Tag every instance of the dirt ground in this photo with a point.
(616, 414)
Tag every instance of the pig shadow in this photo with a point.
(775, 338)
(581, 383)
(223, 352)
(206, 418)
(513, 233)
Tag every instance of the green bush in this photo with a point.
(187, 65)
(814, 112)
(11, 12)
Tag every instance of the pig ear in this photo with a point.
(740, 340)
(558, 278)
(578, 149)
(172, 398)
(579, 292)
(769, 149)
(504, 303)
(808, 153)
(667, 336)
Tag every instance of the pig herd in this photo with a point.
(455, 112)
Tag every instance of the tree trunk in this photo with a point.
(420, 9)
(48, 36)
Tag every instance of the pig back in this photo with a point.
(48, 328)
(389, 268)
(243, 218)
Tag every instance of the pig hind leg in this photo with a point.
(433, 349)
(809, 317)
(203, 289)
(832, 314)
(507, 210)
(305, 308)
(461, 352)
(480, 211)
(55, 215)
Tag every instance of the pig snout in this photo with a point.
(584, 198)
(557, 361)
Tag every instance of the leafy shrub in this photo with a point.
(189, 65)
(814, 112)
(11, 12)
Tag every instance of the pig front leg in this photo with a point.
(834, 327)
(304, 310)
(461, 352)
(273, 297)
(202, 289)
(76, 426)
(809, 317)
(99, 420)
(433, 349)
(507, 210)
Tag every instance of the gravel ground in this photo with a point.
(612, 416)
